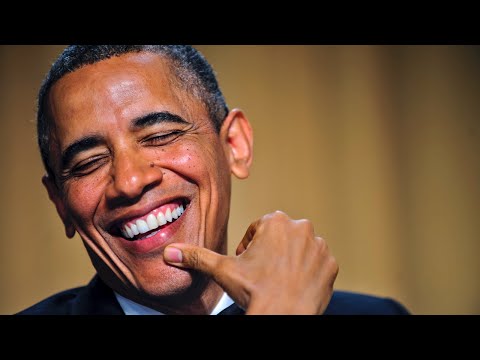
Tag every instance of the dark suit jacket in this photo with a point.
(98, 299)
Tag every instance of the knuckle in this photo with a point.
(194, 259)
(333, 265)
(278, 215)
(322, 244)
(306, 226)
(335, 271)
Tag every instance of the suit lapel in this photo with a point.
(96, 299)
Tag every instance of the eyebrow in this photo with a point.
(157, 118)
(89, 142)
(83, 144)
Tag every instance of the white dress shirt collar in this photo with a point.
(130, 307)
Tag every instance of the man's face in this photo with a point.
(138, 165)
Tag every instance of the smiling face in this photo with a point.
(138, 165)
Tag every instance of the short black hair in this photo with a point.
(193, 73)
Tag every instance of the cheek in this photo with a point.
(208, 169)
(90, 193)
(196, 162)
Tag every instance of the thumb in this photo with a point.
(193, 257)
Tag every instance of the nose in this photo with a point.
(132, 175)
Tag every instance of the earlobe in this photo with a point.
(56, 198)
(238, 135)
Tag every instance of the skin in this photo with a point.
(132, 170)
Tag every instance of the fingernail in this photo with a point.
(172, 255)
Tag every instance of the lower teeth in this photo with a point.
(151, 234)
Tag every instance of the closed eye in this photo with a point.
(162, 139)
(88, 166)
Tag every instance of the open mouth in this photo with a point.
(148, 225)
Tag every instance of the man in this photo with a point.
(139, 148)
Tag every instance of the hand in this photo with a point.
(281, 267)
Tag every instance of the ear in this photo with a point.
(237, 136)
(56, 198)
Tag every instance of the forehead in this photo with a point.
(118, 89)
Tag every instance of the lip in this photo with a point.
(160, 239)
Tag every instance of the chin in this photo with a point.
(169, 281)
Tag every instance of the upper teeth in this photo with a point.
(151, 222)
